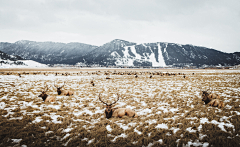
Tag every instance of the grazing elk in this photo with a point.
(211, 99)
(117, 112)
(47, 98)
(64, 92)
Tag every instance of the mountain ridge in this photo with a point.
(120, 52)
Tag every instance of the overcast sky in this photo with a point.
(210, 23)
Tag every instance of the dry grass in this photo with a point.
(170, 109)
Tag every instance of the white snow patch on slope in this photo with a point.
(165, 51)
(115, 54)
(29, 64)
(133, 49)
(32, 63)
(160, 56)
(128, 59)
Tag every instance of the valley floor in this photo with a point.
(170, 109)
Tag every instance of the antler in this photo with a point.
(210, 88)
(200, 87)
(44, 89)
(101, 99)
(116, 100)
(59, 87)
(63, 84)
(107, 103)
(55, 85)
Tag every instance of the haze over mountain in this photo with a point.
(120, 53)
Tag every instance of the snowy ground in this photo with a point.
(170, 110)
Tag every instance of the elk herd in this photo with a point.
(208, 97)
(47, 98)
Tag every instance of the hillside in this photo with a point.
(120, 53)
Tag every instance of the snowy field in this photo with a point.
(170, 109)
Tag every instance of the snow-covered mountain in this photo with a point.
(10, 61)
(4, 56)
(47, 52)
(121, 53)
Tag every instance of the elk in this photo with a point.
(92, 82)
(210, 95)
(216, 103)
(47, 98)
(211, 99)
(64, 92)
(117, 112)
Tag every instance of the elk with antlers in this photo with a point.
(117, 112)
(45, 97)
(211, 99)
(64, 92)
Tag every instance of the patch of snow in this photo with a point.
(2, 105)
(161, 126)
(190, 130)
(135, 130)
(37, 119)
(108, 127)
(144, 112)
(91, 141)
(175, 129)
(133, 50)
(16, 140)
(32, 63)
(123, 135)
(67, 130)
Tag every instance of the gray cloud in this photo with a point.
(209, 23)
